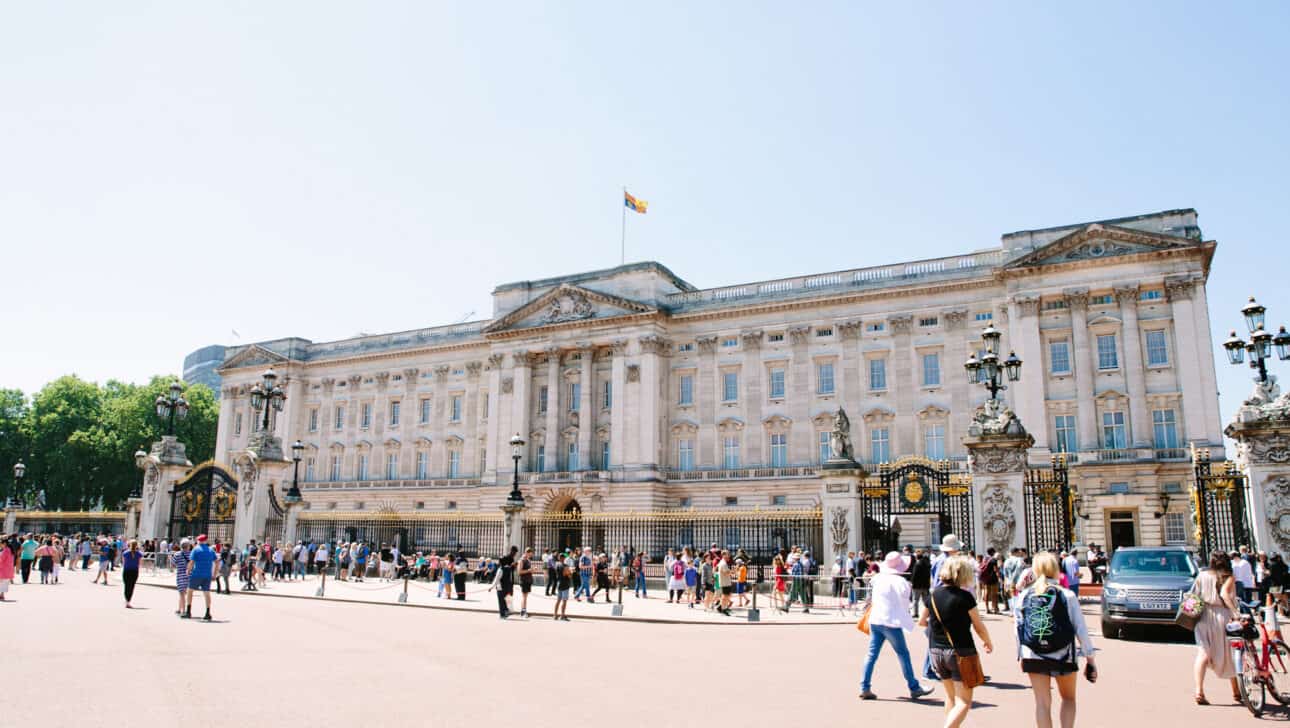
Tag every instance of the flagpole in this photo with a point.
(623, 204)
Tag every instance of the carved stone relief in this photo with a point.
(1276, 497)
(999, 517)
(997, 459)
(839, 528)
(569, 306)
(633, 373)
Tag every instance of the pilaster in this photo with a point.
(554, 443)
(1029, 396)
(495, 441)
(586, 406)
(998, 466)
(708, 375)
(618, 411)
(901, 376)
(1135, 380)
(755, 435)
(1084, 366)
(521, 398)
(840, 502)
(800, 395)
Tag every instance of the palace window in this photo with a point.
(541, 459)
(421, 465)
(875, 327)
(1153, 294)
(686, 395)
(731, 501)
(340, 418)
(825, 449)
(394, 413)
(1106, 355)
(483, 458)
(779, 500)
(685, 503)
(1064, 425)
(1165, 428)
(606, 394)
(454, 463)
(877, 374)
(1113, 436)
(1157, 349)
(934, 441)
(776, 383)
(335, 467)
(879, 445)
(575, 394)
(729, 387)
(824, 379)
(931, 370)
(309, 469)
(774, 338)
(483, 407)
(778, 450)
(367, 415)
(1101, 300)
(572, 463)
(1059, 356)
(425, 410)
(983, 316)
(688, 346)
(542, 395)
(391, 466)
(237, 424)
(928, 321)
(313, 420)
(1118, 488)
(1175, 528)
(362, 467)
(823, 332)
(455, 411)
(604, 454)
(730, 453)
(730, 343)
(685, 455)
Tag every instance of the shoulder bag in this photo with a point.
(865, 609)
(970, 665)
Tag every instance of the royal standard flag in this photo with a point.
(634, 204)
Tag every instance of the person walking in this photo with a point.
(525, 572)
(179, 562)
(950, 613)
(105, 561)
(8, 549)
(1051, 635)
(28, 556)
(202, 563)
(130, 561)
(920, 580)
(564, 580)
(1243, 571)
(638, 568)
(1217, 587)
(459, 576)
(602, 569)
(889, 620)
(1070, 565)
(320, 559)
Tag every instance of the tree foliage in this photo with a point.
(78, 438)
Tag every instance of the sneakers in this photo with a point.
(207, 618)
(868, 695)
(920, 692)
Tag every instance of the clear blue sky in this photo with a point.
(169, 174)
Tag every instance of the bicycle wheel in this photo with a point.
(1279, 671)
(1250, 686)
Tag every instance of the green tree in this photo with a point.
(13, 440)
(64, 458)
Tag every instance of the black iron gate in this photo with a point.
(204, 502)
(1048, 506)
(1218, 506)
(914, 486)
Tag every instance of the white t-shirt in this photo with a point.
(321, 554)
(1243, 573)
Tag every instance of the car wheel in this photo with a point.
(1110, 630)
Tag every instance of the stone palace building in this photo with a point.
(635, 390)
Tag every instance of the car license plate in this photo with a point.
(1156, 606)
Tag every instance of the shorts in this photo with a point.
(707, 586)
(562, 595)
(199, 583)
(526, 588)
(1053, 668)
(945, 663)
(740, 587)
(726, 590)
(103, 565)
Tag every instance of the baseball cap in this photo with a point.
(201, 538)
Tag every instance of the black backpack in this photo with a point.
(1045, 626)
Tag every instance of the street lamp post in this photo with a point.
(517, 452)
(1260, 344)
(988, 371)
(269, 397)
(171, 407)
(19, 470)
(293, 494)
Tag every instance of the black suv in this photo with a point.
(1144, 586)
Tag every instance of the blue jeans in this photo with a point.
(896, 636)
(640, 583)
(584, 585)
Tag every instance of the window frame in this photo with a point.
(1113, 355)
(1065, 346)
(1162, 349)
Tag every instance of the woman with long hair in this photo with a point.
(130, 561)
(1217, 587)
(1040, 601)
(777, 596)
(951, 612)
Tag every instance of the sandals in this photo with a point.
(1200, 700)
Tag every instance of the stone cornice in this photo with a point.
(1204, 251)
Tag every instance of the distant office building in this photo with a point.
(202, 366)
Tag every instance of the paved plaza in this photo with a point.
(269, 661)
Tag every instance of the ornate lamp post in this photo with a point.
(19, 470)
(293, 493)
(988, 371)
(171, 407)
(517, 452)
(1260, 344)
(269, 397)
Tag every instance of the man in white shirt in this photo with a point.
(1244, 574)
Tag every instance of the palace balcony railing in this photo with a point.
(1129, 454)
(463, 482)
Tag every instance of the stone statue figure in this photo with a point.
(995, 418)
(840, 438)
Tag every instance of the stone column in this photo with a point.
(133, 517)
(618, 413)
(408, 423)
(442, 397)
(1205, 360)
(1262, 433)
(521, 385)
(10, 520)
(470, 448)
(708, 453)
(851, 363)
(952, 379)
(554, 441)
(513, 524)
(1084, 366)
(586, 406)
(753, 397)
(256, 476)
(496, 440)
(166, 463)
(901, 384)
(998, 469)
(290, 521)
(1135, 379)
(652, 350)
(1186, 358)
(799, 396)
(224, 428)
(840, 485)
(1028, 395)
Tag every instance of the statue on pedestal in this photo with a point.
(840, 450)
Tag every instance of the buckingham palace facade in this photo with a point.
(637, 391)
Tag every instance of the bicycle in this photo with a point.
(1263, 668)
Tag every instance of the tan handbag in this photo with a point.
(863, 624)
(969, 666)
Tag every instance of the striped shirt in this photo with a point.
(179, 560)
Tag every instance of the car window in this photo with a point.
(1153, 563)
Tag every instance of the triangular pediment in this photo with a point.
(1099, 241)
(565, 304)
(253, 355)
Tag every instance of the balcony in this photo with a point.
(797, 471)
(462, 482)
(1128, 455)
(565, 476)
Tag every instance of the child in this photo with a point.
(564, 580)
(691, 581)
(741, 582)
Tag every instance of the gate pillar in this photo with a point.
(998, 470)
(165, 464)
(1261, 429)
(256, 476)
(840, 501)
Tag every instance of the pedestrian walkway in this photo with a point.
(479, 598)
